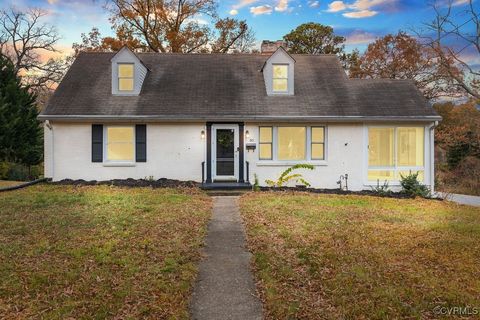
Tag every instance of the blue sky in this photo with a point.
(360, 21)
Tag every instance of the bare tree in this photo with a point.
(23, 37)
(452, 24)
(177, 25)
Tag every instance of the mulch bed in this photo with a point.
(160, 183)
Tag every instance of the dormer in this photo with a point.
(128, 73)
(279, 72)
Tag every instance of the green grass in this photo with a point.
(99, 252)
(358, 257)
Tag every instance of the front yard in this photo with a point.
(99, 252)
(354, 257)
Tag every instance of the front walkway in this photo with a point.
(461, 198)
(225, 288)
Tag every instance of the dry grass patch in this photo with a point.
(8, 183)
(99, 252)
(360, 257)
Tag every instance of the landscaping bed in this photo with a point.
(99, 252)
(160, 183)
(398, 195)
(325, 256)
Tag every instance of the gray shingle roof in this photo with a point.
(220, 87)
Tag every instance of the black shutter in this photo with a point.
(97, 143)
(141, 142)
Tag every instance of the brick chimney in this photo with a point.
(268, 47)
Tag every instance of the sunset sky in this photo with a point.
(360, 21)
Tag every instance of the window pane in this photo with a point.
(410, 149)
(265, 134)
(318, 135)
(280, 71)
(265, 151)
(382, 175)
(120, 151)
(120, 144)
(120, 134)
(380, 147)
(291, 143)
(125, 84)
(125, 70)
(280, 85)
(421, 175)
(317, 151)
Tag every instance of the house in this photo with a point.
(225, 118)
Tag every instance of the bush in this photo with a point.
(381, 189)
(19, 172)
(411, 186)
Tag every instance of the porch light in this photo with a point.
(202, 134)
(247, 134)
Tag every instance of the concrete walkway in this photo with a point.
(461, 198)
(225, 288)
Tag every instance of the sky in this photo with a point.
(360, 21)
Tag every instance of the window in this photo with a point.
(291, 143)
(318, 143)
(395, 151)
(125, 76)
(120, 144)
(280, 78)
(266, 143)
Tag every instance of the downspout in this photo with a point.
(52, 146)
(432, 156)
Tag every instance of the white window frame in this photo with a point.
(396, 168)
(273, 78)
(118, 77)
(308, 154)
(118, 163)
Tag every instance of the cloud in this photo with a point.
(360, 14)
(259, 10)
(243, 3)
(357, 37)
(313, 4)
(282, 6)
(52, 1)
(360, 8)
(233, 12)
(336, 6)
(460, 2)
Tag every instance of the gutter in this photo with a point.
(236, 118)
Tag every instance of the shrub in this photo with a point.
(285, 177)
(19, 172)
(383, 189)
(411, 186)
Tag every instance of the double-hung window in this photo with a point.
(120, 143)
(295, 143)
(280, 78)
(125, 76)
(395, 151)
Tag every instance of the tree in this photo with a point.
(175, 26)
(23, 37)
(21, 135)
(315, 38)
(401, 56)
(463, 28)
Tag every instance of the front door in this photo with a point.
(225, 152)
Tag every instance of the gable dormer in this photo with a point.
(128, 73)
(279, 73)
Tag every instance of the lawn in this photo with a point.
(99, 252)
(360, 257)
(8, 183)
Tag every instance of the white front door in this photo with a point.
(225, 152)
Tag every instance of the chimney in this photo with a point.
(268, 47)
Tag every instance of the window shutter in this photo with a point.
(141, 142)
(97, 143)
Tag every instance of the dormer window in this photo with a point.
(125, 76)
(280, 78)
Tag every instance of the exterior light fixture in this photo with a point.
(202, 134)
(247, 134)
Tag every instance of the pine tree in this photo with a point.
(20, 131)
